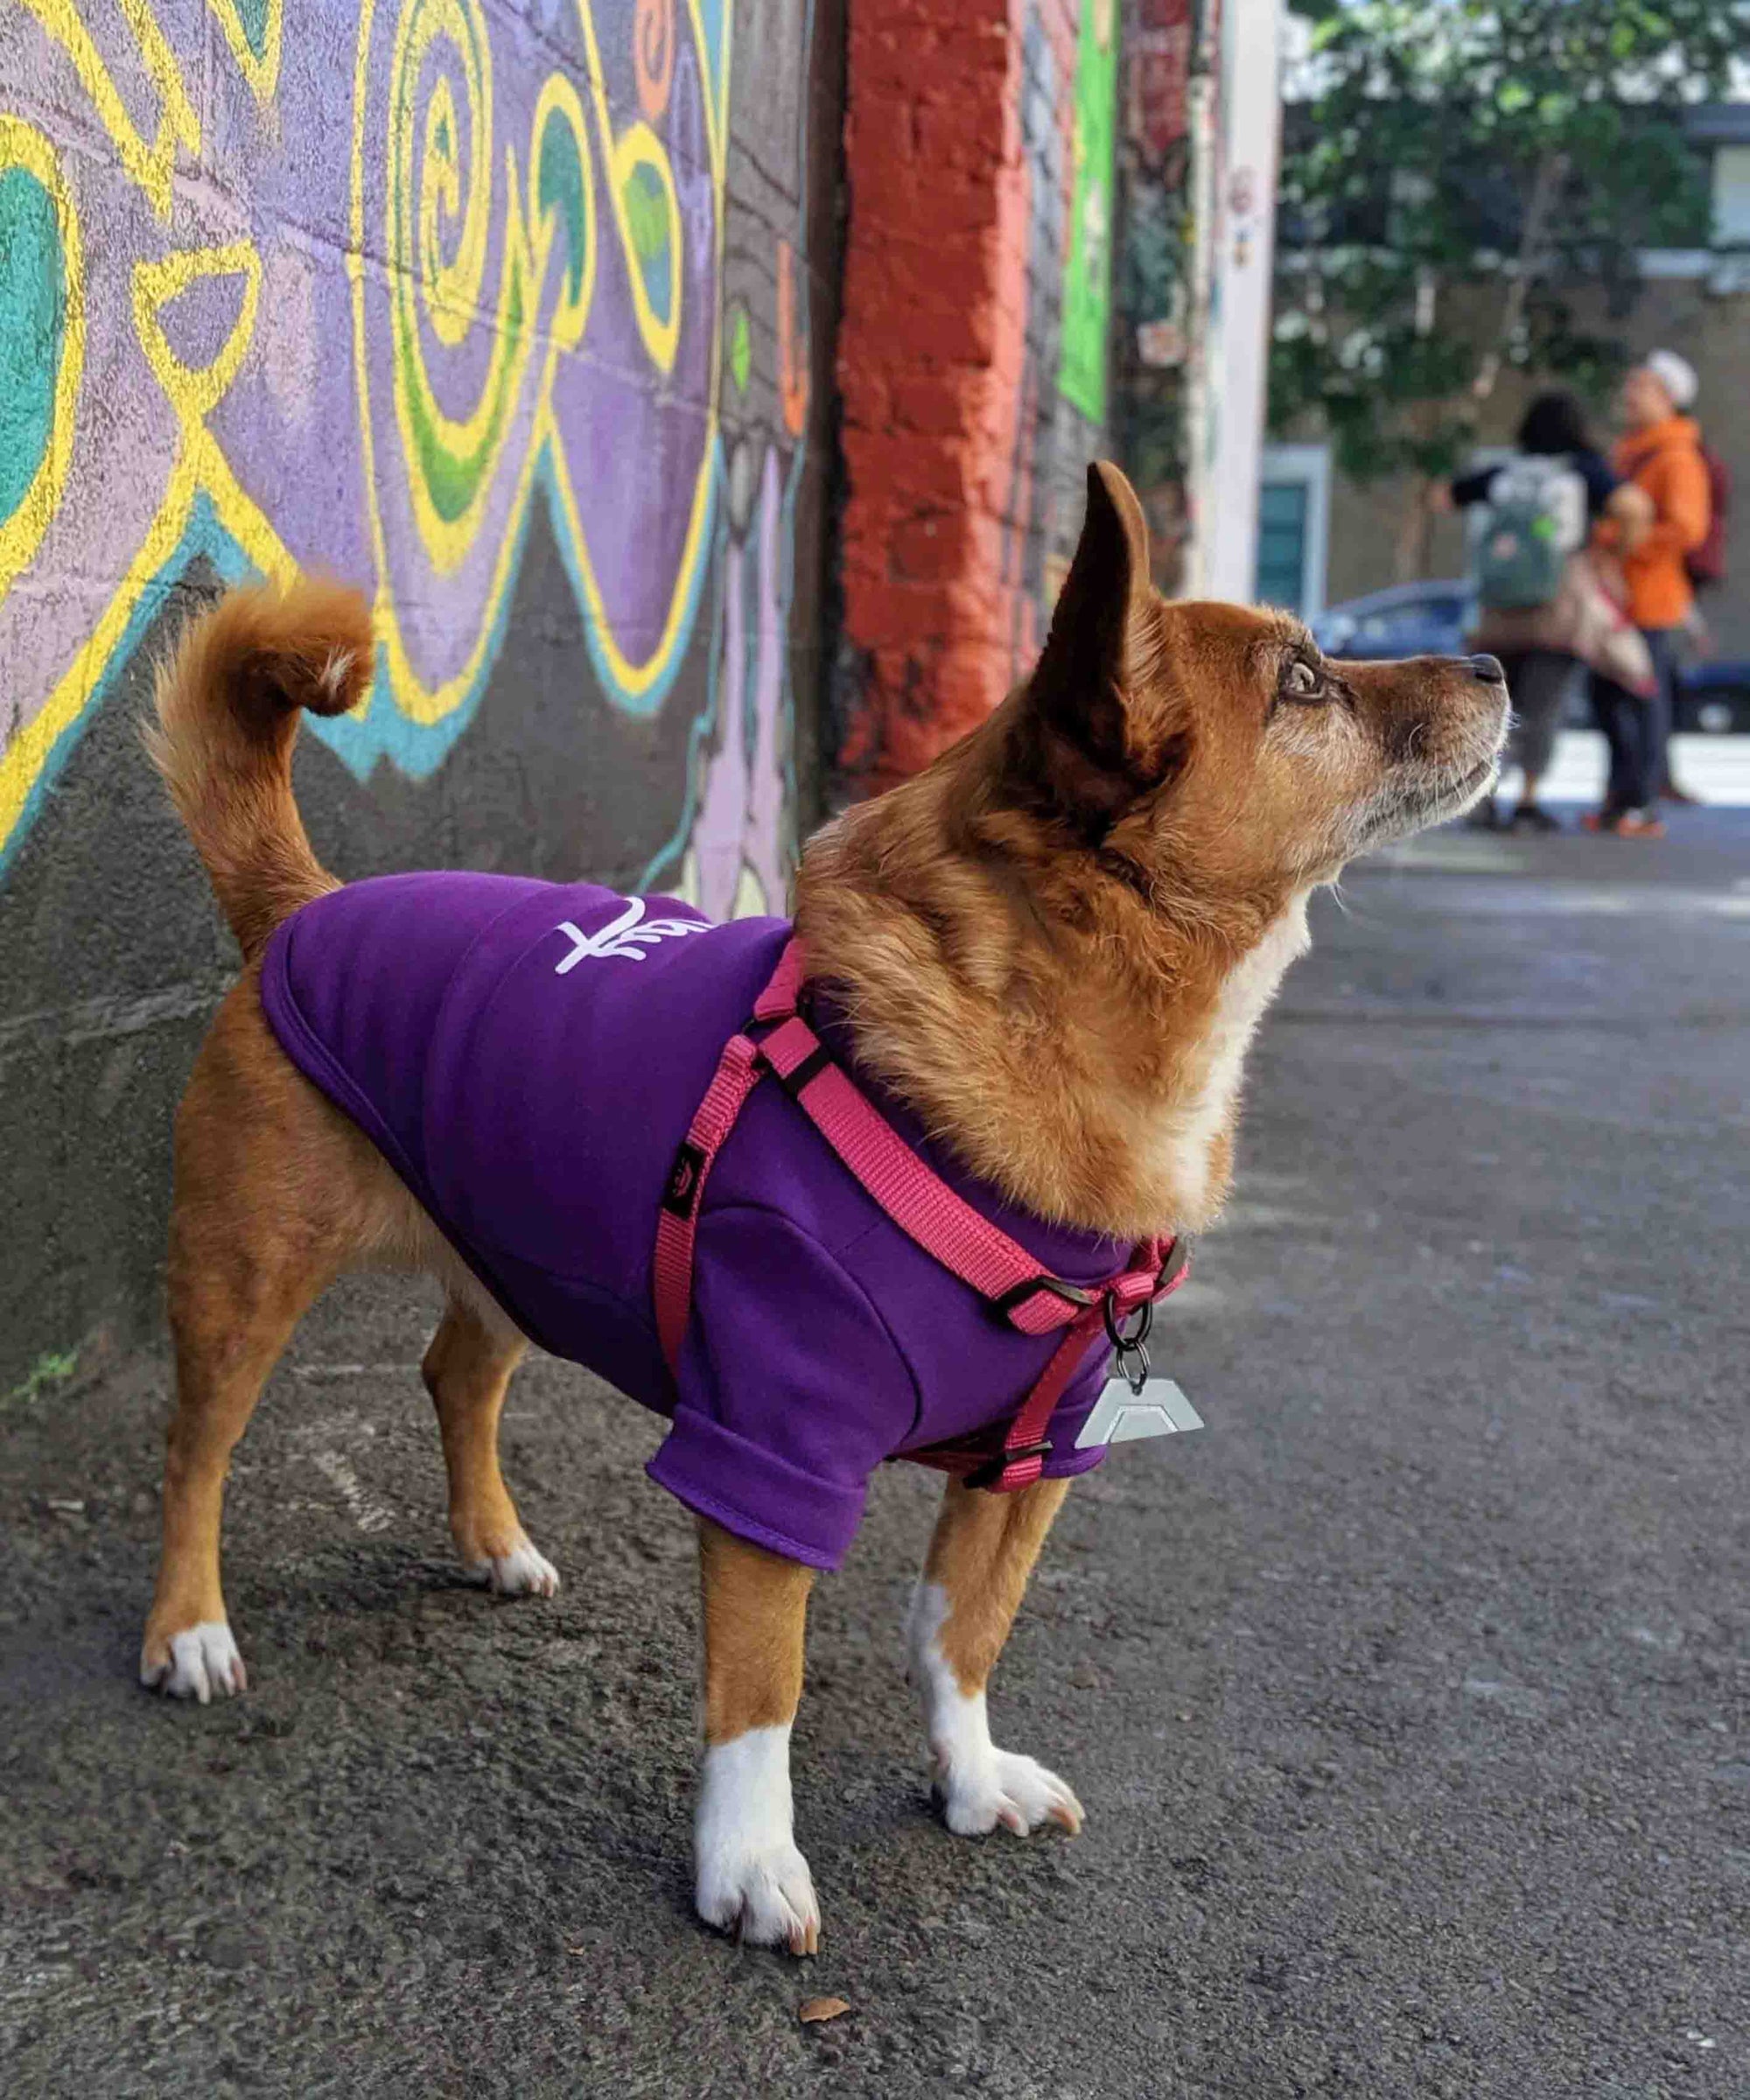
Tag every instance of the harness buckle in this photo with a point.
(990, 1472)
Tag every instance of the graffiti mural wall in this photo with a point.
(1069, 59)
(518, 316)
(1164, 268)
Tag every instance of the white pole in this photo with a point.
(1202, 321)
(1249, 121)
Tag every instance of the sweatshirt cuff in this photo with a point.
(755, 1493)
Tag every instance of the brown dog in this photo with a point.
(1055, 945)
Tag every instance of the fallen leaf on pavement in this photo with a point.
(821, 2008)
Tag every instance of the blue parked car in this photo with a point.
(1409, 619)
(1430, 620)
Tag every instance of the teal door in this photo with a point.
(1282, 545)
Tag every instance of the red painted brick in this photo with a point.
(931, 358)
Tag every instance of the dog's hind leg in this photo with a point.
(974, 1578)
(233, 1304)
(466, 1370)
(275, 1194)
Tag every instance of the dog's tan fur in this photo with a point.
(1055, 944)
(755, 1607)
(1053, 941)
(981, 1556)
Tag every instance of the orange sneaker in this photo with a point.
(1636, 823)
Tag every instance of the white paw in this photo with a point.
(977, 1794)
(203, 1660)
(1009, 1790)
(749, 1877)
(521, 1573)
(978, 1785)
(764, 1898)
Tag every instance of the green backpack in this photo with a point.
(1522, 537)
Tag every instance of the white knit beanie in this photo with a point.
(1676, 374)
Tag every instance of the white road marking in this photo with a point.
(368, 1514)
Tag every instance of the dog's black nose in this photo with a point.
(1488, 669)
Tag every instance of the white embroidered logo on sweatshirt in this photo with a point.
(628, 935)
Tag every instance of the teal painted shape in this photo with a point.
(252, 15)
(646, 219)
(560, 186)
(714, 21)
(33, 329)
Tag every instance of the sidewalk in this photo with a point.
(1717, 768)
(1408, 1703)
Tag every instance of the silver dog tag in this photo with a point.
(1123, 1412)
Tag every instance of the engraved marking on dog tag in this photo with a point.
(1122, 1414)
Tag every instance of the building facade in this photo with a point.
(1326, 538)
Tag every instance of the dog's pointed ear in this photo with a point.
(1098, 726)
(1106, 590)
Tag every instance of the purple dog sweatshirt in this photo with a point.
(527, 1057)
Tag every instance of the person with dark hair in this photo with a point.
(1531, 519)
(1555, 424)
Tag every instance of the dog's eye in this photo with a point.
(1300, 681)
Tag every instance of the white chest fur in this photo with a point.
(1183, 1135)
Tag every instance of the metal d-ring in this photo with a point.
(1133, 1358)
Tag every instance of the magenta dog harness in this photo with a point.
(792, 1272)
(942, 1223)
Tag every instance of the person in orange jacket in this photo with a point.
(1660, 451)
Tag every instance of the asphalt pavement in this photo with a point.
(1407, 1701)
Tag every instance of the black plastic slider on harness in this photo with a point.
(686, 1179)
(988, 1474)
(1013, 1299)
(805, 1074)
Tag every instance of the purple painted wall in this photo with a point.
(517, 315)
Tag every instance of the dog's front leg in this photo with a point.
(975, 1574)
(750, 1877)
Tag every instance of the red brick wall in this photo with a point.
(963, 465)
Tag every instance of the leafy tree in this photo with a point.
(1453, 171)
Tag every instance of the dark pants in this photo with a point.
(1538, 680)
(1637, 729)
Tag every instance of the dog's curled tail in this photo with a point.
(227, 702)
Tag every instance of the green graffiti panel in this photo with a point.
(1088, 267)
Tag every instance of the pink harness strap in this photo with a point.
(736, 1074)
(918, 1202)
